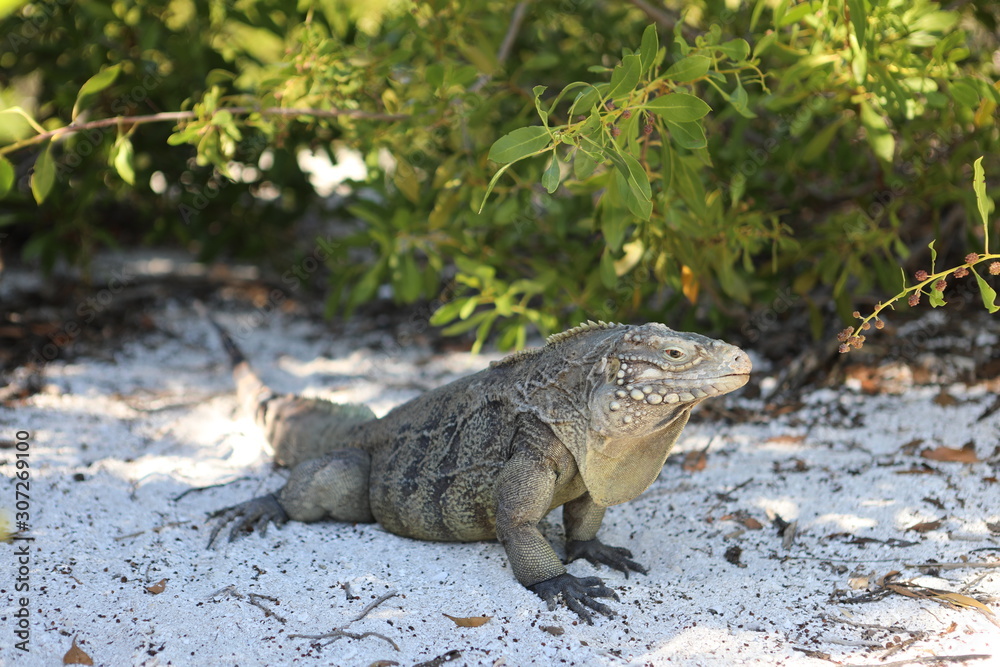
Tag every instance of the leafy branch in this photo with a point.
(934, 283)
(178, 116)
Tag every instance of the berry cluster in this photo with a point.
(852, 338)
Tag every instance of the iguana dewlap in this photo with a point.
(584, 422)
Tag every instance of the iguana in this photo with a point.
(584, 422)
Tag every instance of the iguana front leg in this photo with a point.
(524, 493)
(582, 518)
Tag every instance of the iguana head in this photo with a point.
(639, 392)
(653, 374)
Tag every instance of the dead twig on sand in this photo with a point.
(342, 631)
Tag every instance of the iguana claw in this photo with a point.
(576, 592)
(597, 552)
(252, 515)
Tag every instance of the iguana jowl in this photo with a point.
(584, 422)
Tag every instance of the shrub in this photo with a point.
(524, 169)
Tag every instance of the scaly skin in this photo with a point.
(584, 423)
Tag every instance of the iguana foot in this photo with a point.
(576, 593)
(252, 515)
(597, 552)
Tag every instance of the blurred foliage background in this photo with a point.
(837, 141)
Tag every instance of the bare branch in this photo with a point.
(176, 116)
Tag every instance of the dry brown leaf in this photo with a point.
(910, 448)
(925, 526)
(944, 399)
(695, 461)
(786, 440)
(967, 454)
(469, 621)
(553, 630)
(860, 582)
(994, 527)
(925, 470)
(77, 656)
(964, 601)
(158, 587)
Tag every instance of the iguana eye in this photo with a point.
(674, 353)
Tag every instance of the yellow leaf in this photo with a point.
(470, 621)
(689, 284)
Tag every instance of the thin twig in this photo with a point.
(252, 598)
(927, 660)
(953, 566)
(666, 20)
(341, 631)
(516, 18)
(157, 529)
(255, 599)
(868, 626)
(166, 116)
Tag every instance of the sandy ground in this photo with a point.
(120, 447)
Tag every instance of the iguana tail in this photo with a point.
(297, 428)
(252, 393)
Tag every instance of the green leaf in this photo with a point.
(44, 175)
(735, 49)
(550, 177)
(636, 177)
(493, 182)
(678, 107)
(6, 176)
(609, 277)
(964, 93)
(625, 77)
(936, 299)
(739, 98)
(817, 146)
(648, 48)
(122, 158)
(448, 312)
(483, 331)
(94, 85)
(983, 201)
(758, 9)
(566, 90)
(690, 68)
(587, 100)
(882, 143)
(933, 255)
(583, 165)
(859, 19)
(465, 325)
(542, 113)
(519, 144)
(637, 206)
(613, 226)
(859, 66)
(688, 135)
(988, 293)
(797, 13)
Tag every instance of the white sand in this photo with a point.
(113, 441)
